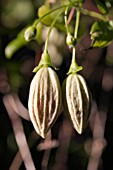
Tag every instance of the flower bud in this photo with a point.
(70, 40)
(44, 100)
(30, 33)
(76, 101)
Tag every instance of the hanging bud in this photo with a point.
(70, 40)
(30, 33)
(44, 100)
(77, 101)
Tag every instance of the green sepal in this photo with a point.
(44, 62)
(74, 68)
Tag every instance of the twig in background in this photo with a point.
(47, 145)
(19, 133)
(64, 137)
(71, 15)
(98, 142)
(20, 109)
(47, 152)
(17, 161)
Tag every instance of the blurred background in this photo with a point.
(63, 149)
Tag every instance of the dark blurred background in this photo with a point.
(63, 149)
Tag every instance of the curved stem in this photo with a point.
(45, 59)
(77, 23)
(91, 13)
(65, 19)
(76, 33)
(53, 23)
(74, 66)
(37, 21)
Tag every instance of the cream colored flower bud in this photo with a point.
(44, 100)
(76, 101)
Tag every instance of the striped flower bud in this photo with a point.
(76, 101)
(44, 100)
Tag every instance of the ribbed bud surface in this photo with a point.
(44, 100)
(76, 101)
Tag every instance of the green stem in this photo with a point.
(95, 14)
(91, 13)
(53, 23)
(37, 21)
(65, 19)
(77, 23)
(75, 34)
(72, 3)
(45, 59)
(74, 66)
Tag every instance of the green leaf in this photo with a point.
(101, 34)
(102, 8)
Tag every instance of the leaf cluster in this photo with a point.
(101, 30)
